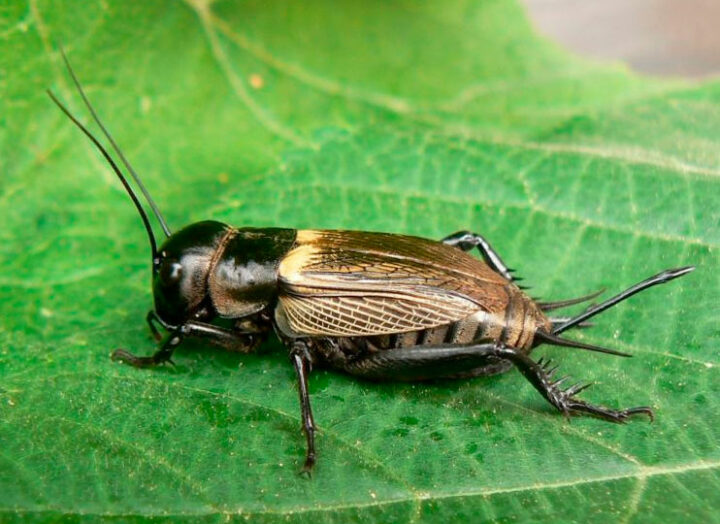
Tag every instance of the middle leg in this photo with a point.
(302, 361)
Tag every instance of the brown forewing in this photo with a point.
(354, 283)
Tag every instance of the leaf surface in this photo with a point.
(420, 119)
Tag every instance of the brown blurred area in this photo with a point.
(664, 37)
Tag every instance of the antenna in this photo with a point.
(115, 147)
(133, 196)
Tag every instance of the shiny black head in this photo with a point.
(180, 271)
(181, 264)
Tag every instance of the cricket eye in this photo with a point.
(170, 272)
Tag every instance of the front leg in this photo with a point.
(302, 361)
(162, 355)
(466, 240)
(243, 342)
(239, 341)
(151, 318)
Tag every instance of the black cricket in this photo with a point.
(375, 305)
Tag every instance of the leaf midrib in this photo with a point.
(643, 472)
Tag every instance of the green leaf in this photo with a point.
(403, 117)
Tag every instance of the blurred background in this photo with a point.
(665, 37)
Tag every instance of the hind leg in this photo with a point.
(445, 361)
(466, 240)
(417, 363)
(494, 366)
(541, 373)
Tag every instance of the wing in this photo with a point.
(353, 283)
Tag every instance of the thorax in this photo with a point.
(243, 276)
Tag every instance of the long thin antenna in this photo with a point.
(133, 196)
(117, 149)
(660, 278)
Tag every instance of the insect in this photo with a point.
(375, 305)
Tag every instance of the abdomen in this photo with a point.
(514, 327)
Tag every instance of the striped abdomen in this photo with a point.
(515, 326)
